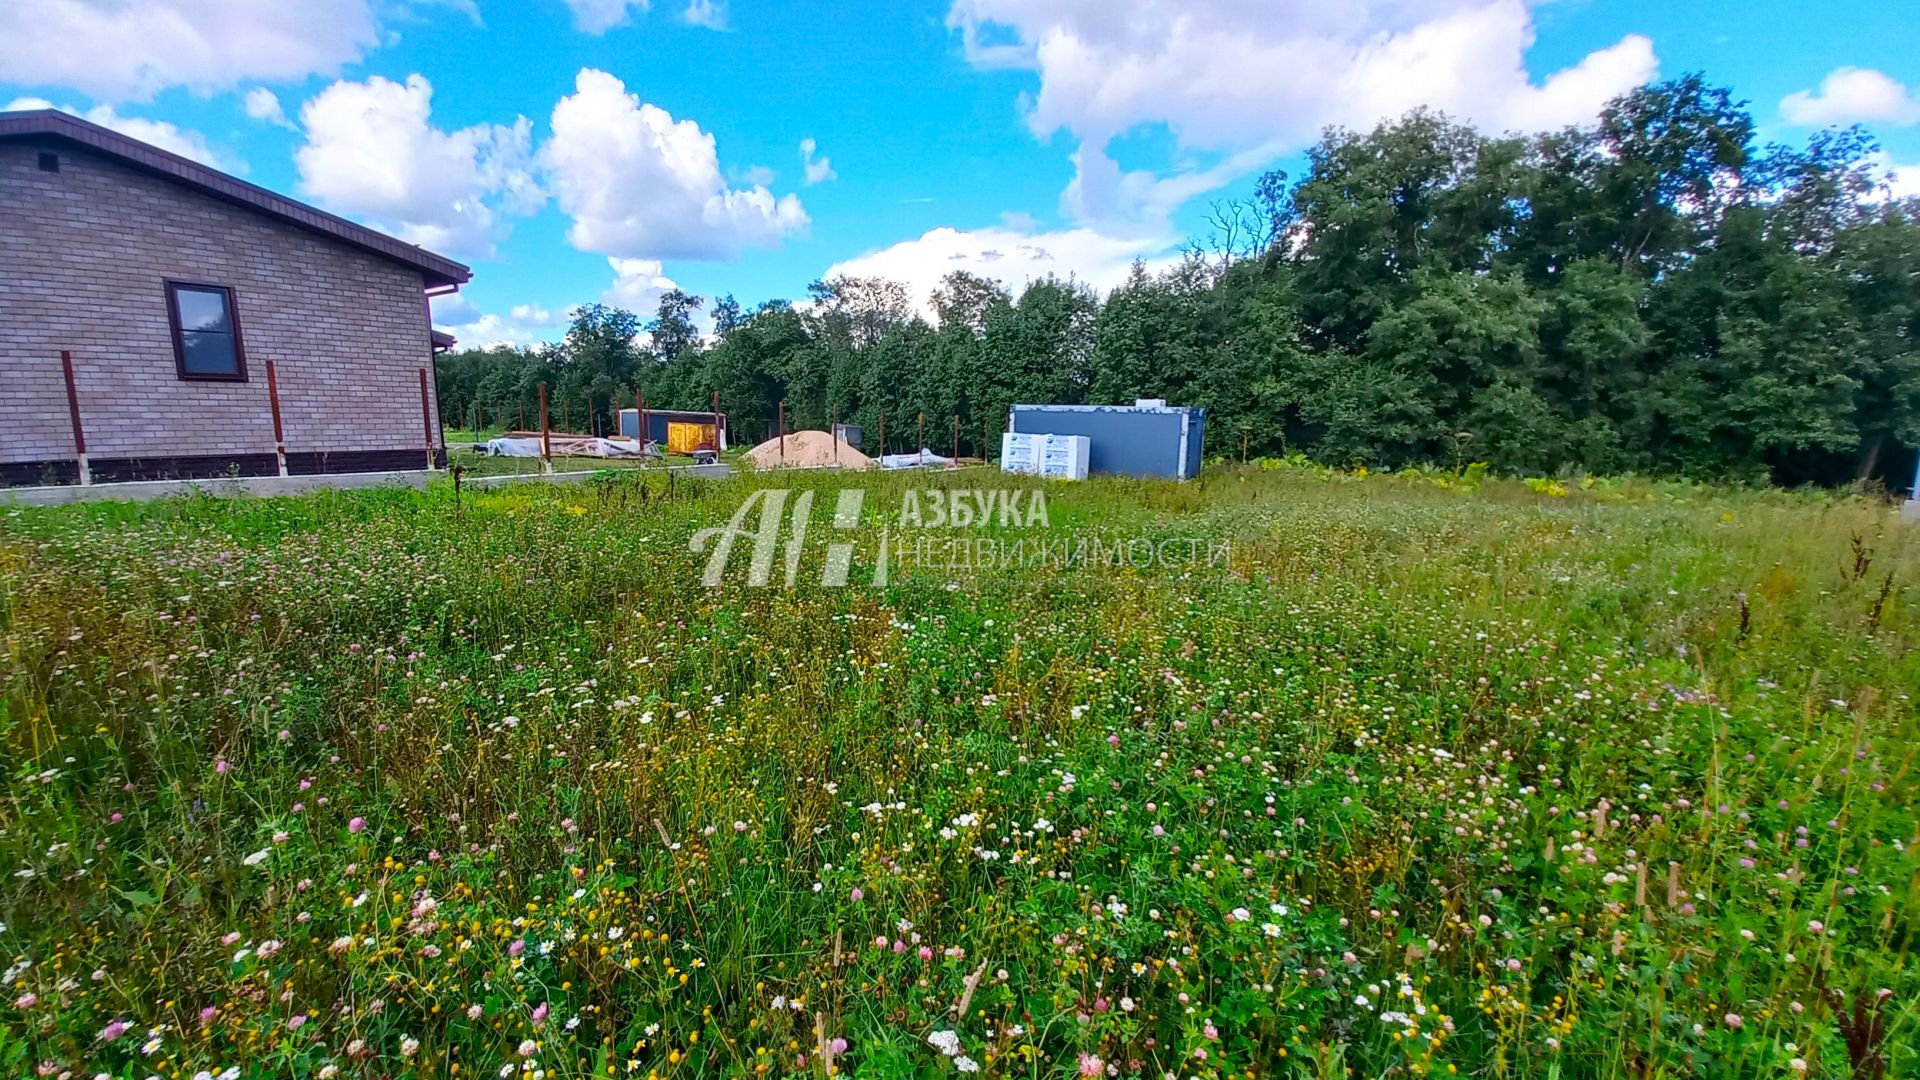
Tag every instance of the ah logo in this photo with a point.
(765, 535)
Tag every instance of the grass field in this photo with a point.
(1430, 776)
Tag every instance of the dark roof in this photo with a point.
(41, 124)
(442, 340)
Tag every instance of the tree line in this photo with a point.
(1653, 292)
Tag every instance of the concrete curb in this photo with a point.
(222, 487)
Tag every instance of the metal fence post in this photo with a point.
(546, 441)
(279, 435)
(73, 408)
(426, 417)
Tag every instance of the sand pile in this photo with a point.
(808, 450)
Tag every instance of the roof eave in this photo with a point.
(437, 271)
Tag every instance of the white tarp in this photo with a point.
(925, 457)
(563, 446)
(513, 447)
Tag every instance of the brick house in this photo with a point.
(190, 324)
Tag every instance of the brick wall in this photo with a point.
(84, 253)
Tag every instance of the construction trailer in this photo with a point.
(1147, 438)
(677, 431)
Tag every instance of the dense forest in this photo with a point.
(1654, 293)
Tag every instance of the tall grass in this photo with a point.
(1434, 775)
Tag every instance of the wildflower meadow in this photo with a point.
(1427, 775)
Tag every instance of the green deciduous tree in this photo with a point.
(1647, 292)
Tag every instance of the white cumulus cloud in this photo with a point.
(600, 16)
(372, 151)
(1011, 256)
(1896, 180)
(638, 285)
(119, 51)
(818, 170)
(641, 185)
(263, 104)
(523, 324)
(188, 144)
(711, 14)
(755, 174)
(1903, 181)
(1234, 76)
(1851, 95)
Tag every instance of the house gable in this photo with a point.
(84, 260)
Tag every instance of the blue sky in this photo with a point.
(578, 150)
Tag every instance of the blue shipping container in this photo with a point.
(658, 419)
(1128, 440)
